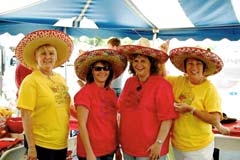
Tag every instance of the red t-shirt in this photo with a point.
(102, 118)
(20, 73)
(141, 110)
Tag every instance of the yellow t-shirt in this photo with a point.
(189, 132)
(49, 100)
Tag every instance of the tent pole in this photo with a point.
(65, 64)
(155, 32)
(76, 22)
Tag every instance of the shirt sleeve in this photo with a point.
(212, 99)
(27, 94)
(165, 102)
(83, 98)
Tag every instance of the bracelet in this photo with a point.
(159, 141)
(192, 111)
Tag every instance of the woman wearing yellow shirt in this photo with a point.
(197, 101)
(43, 96)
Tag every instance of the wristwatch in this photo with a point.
(159, 141)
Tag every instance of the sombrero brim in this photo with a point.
(213, 62)
(129, 50)
(83, 62)
(27, 46)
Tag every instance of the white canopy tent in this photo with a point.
(211, 23)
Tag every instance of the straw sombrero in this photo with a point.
(27, 46)
(213, 62)
(129, 50)
(84, 61)
(143, 42)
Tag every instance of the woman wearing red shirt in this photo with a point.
(146, 106)
(96, 103)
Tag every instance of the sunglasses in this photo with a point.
(98, 68)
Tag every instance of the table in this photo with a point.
(227, 142)
(234, 128)
(8, 144)
(230, 143)
(5, 145)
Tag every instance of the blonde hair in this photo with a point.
(45, 47)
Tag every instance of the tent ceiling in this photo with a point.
(182, 19)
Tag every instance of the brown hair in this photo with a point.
(114, 42)
(90, 78)
(154, 69)
(185, 64)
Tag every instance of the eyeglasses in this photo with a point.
(98, 68)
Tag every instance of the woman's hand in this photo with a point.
(91, 156)
(154, 151)
(222, 129)
(182, 107)
(32, 153)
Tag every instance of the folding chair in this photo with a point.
(16, 153)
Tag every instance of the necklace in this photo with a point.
(48, 75)
(141, 83)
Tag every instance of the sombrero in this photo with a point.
(27, 46)
(84, 61)
(129, 50)
(213, 62)
(144, 42)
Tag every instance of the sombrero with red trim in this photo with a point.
(213, 62)
(26, 47)
(130, 50)
(84, 61)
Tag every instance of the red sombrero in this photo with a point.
(85, 60)
(27, 46)
(213, 62)
(129, 50)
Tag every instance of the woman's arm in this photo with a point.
(212, 118)
(82, 116)
(162, 135)
(28, 131)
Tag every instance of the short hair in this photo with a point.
(114, 42)
(43, 47)
(185, 64)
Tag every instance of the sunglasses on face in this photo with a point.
(98, 68)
